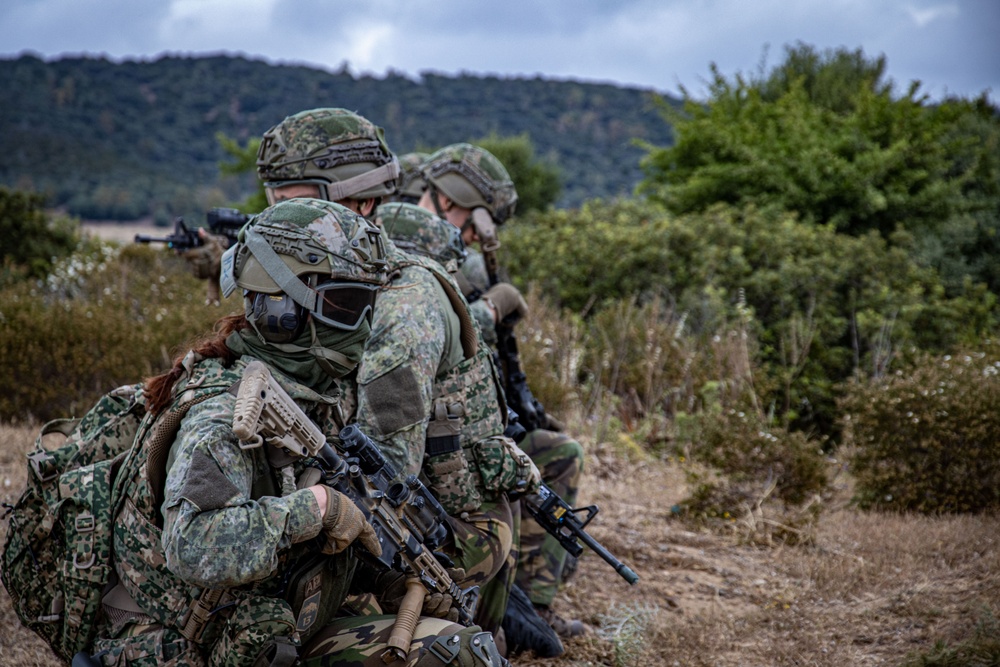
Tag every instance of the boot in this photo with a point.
(524, 630)
(563, 627)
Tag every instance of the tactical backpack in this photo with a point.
(57, 555)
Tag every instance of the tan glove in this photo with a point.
(344, 522)
(506, 300)
(392, 587)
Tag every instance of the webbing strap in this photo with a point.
(361, 182)
(283, 276)
(200, 614)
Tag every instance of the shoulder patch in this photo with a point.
(394, 400)
(206, 485)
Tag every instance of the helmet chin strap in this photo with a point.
(322, 354)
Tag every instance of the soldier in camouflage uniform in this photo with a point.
(206, 261)
(411, 181)
(460, 179)
(428, 392)
(220, 558)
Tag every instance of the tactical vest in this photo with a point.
(222, 627)
(467, 460)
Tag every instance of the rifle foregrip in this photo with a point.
(406, 621)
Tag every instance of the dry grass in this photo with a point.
(872, 589)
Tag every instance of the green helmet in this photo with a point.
(338, 150)
(472, 177)
(411, 181)
(303, 257)
(419, 231)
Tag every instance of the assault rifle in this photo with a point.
(530, 411)
(409, 522)
(221, 221)
(561, 521)
(547, 508)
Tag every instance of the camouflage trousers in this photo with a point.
(361, 641)
(540, 564)
(485, 546)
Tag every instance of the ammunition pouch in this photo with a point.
(445, 463)
(504, 468)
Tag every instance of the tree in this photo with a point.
(30, 240)
(244, 161)
(824, 136)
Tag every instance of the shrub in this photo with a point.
(824, 305)
(927, 438)
(105, 316)
(31, 242)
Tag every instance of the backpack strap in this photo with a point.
(164, 429)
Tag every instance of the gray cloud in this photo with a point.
(949, 45)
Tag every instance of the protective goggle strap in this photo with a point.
(279, 271)
(361, 182)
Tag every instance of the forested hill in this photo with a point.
(123, 140)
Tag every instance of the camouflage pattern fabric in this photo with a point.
(224, 527)
(474, 270)
(541, 561)
(472, 177)
(329, 145)
(361, 641)
(560, 459)
(477, 281)
(205, 262)
(411, 182)
(413, 360)
(416, 230)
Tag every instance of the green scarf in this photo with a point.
(316, 358)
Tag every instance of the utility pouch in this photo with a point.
(161, 647)
(504, 467)
(259, 631)
(445, 463)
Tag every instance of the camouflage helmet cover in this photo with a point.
(308, 236)
(417, 230)
(343, 153)
(411, 181)
(472, 177)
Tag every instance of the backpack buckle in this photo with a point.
(85, 523)
(44, 466)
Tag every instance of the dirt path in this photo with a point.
(872, 589)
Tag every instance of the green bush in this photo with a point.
(105, 316)
(822, 305)
(927, 438)
(31, 242)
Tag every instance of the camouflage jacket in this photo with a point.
(476, 280)
(227, 537)
(428, 390)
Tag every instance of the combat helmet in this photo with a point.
(411, 181)
(472, 177)
(336, 149)
(301, 258)
(417, 230)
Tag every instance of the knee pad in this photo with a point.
(470, 647)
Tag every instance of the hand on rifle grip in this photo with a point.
(506, 301)
(343, 523)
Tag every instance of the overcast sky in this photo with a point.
(951, 46)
